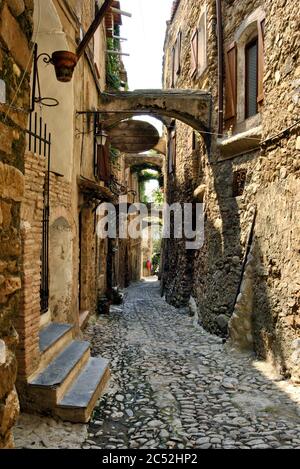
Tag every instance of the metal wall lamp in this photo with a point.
(101, 136)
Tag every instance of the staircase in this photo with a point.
(69, 381)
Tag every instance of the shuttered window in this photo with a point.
(251, 78)
(172, 150)
(194, 52)
(176, 59)
(231, 84)
(173, 68)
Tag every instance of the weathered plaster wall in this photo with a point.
(15, 34)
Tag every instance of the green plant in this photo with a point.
(113, 64)
(114, 155)
(158, 197)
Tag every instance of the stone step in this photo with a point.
(78, 403)
(53, 339)
(51, 334)
(53, 382)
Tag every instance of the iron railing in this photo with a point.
(39, 142)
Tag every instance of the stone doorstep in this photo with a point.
(71, 382)
(53, 338)
(52, 333)
(56, 379)
(78, 403)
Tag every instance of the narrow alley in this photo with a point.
(174, 386)
(149, 225)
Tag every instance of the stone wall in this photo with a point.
(15, 56)
(213, 274)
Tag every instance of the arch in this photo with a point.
(50, 36)
(61, 269)
(191, 107)
(144, 158)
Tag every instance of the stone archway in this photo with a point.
(60, 270)
(191, 107)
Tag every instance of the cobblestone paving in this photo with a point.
(175, 386)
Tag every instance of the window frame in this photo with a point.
(200, 65)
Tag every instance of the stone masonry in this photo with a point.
(15, 62)
(212, 275)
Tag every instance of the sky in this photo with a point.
(145, 32)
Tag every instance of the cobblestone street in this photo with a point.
(173, 386)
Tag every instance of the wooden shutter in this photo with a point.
(231, 82)
(103, 163)
(178, 51)
(194, 52)
(172, 150)
(173, 144)
(261, 59)
(177, 56)
(173, 68)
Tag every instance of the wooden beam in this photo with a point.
(94, 26)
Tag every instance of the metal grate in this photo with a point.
(39, 142)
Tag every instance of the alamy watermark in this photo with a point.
(179, 221)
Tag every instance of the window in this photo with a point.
(244, 74)
(176, 59)
(172, 149)
(251, 78)
(202, 44)
(194, 52)
(199, 48)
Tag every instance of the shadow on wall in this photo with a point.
(218, 264)
(274, 332)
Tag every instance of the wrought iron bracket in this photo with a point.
(118, 189)
(36, 86)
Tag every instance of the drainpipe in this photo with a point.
(93, 28)
(220, 66)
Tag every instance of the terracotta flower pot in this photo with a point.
(64, 63)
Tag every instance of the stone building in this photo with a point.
(244, 168)
(54, 173)
(15, 60)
